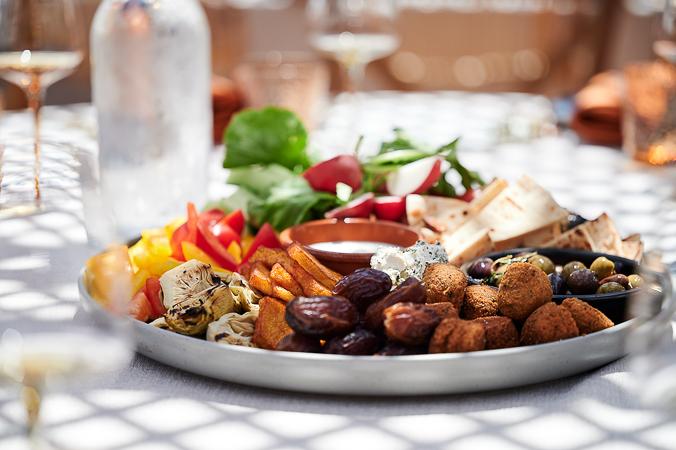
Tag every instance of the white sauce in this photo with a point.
(351, 246)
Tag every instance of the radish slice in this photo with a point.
(415, 177)
(389, 207)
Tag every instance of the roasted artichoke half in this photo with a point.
(233, 328)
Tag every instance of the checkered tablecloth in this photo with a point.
(152, 406)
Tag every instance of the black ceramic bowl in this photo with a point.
(614, 305)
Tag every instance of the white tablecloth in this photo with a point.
(152, 406)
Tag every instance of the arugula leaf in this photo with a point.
(400, 142)
(266, 136)
(397, 157)
(443, 187)
(240, 199)
(469, 177)
(259, 179)
(291, 202)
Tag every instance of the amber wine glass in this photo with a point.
(40, 43)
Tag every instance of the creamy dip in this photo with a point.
(351, 246)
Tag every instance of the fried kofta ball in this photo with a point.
(549, 323)
(480, 301)
(445, 283)
(500, 332)
(456, 335)
(444, 309)
(523, 288)
(587, 318)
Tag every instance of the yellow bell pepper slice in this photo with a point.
(191, 251)
(235, 251)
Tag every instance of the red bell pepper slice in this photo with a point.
(225, 234)
(153, 291)
(213, 247)
(235, 220)
(186, 232)
(266, 237)
(211, 216)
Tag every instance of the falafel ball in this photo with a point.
(456, 335)
(587, 318)
(444, 309)
(445, 283)
(549, 323)
(523, 288)
(480, 301)
(500, 332)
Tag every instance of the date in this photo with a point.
(410, 323)
(410, 291)
(295, 342)
(321, 317)
(359, 342)
(363, 287)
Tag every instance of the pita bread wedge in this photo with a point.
(577, 238)
(523, 207)
(604, 235)
(446, 213)
(535, 238)
(488, 194)
(632, 247)
(479, 244)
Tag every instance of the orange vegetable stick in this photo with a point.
(260, 278)
(321, 273)
(271, 325)
(284, 279)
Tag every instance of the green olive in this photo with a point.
(542, 262)
(602, 267)
(610, 287)
(635, 281)
(570, 268)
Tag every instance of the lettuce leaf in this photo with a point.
(266, 136)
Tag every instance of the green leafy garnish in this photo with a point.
(290, 202)
(260, 179)
(266, 136)
(400, 142)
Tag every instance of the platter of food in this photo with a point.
(373, 276)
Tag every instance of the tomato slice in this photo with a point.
(139, 307)
(266, 237)
(153, 291)
(211, 216)
(207, 241)
(235, 220)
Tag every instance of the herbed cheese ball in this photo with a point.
(587, 318)
(456, 335)
(500, 332)
(523, 288)
(549, 323)
(480, 301)
(445, 283)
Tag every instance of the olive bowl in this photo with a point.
(614, 304)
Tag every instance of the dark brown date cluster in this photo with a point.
(364, 317)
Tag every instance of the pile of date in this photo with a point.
(365, 317)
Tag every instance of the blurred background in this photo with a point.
(550, 47)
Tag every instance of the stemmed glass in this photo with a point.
(40, 43)
(353, 32)
(60, 347)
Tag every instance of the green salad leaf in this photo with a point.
(258, 179)
(266, 136)
(289, 203)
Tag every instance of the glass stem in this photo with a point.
(35, 95)
(32, 401)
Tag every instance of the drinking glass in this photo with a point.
(40, 43)
(353, 32)
(651, 343)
